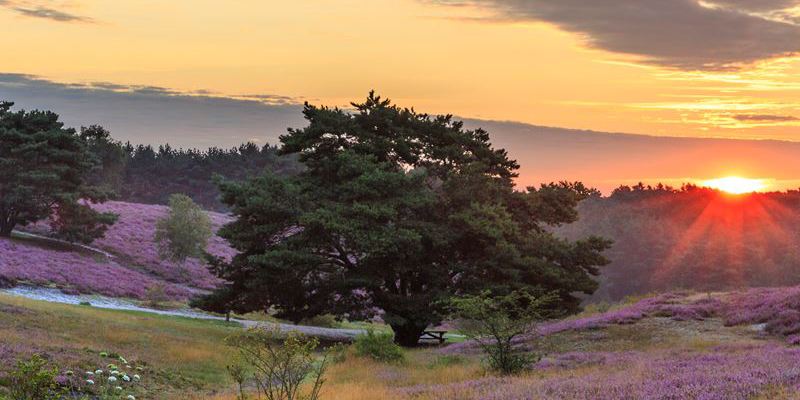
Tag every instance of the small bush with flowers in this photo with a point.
(36, 379)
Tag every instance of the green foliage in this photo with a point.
(279, 364)
(43, 173)
(33, 380)
(111, 158)
(77, 222)
(220, 301)
(378, 346)
(239, 374)
(185, 231)
(338, 352)
(397, 211)
(151, 175)
(324, 321)
(494, 321)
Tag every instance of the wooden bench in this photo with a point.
(433, 335)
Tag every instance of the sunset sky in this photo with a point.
(679, 68)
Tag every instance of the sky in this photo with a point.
(200, 73)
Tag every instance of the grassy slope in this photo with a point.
(185, 352)
(189, 357)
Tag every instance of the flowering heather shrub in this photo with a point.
(772, 306)
(22, 262)
(728, 372)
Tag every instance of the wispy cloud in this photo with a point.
(682, 34)
(43, 11)
(765, 118)
(154, 114)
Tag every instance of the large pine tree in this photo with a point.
(43, 170)
(395, 212)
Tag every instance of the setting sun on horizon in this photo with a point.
(736, 184)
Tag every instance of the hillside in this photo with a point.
(673, 346)
(133, 268)
(693, 239)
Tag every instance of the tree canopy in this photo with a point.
(43, 170)
(184, 232)
(396, 212)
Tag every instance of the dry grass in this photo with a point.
(190, 357)
(186, 351)
(191, 352)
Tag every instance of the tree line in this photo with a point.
(690, 237)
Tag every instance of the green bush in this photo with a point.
(184, 232)
(278, 364)
(322, 321)
(379, 346)
(338, 353)
(32, 379)
(494, 321)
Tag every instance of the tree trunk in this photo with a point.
(5, 229)
(7, 222)
(407, 335)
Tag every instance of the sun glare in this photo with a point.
(736, 185)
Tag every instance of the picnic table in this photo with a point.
(437, 335)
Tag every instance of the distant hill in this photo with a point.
(134, 268)
(695, 239)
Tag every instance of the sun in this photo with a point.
(736, 185)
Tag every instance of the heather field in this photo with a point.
(133, 268)
(672, 346)
(678, 345)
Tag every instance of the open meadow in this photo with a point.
(676, 346)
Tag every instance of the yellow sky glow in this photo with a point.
(737, 185)
(439, 59)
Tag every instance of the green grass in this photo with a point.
(187, 357)
(187, 353)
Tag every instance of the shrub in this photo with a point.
(184, 232)
(156, 295)
(379, 346)
(238, 373)
(32, 379)
(338, 353)
(494, 321)
(279, 366)
(323, 321)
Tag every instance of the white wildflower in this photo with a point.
(112, 379)
(89, 382)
